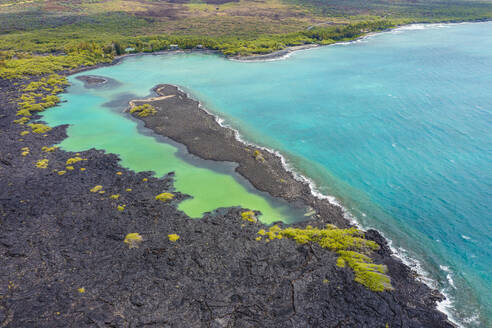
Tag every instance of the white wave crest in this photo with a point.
(448, 275)
(289, 52)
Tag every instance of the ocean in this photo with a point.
(397, 127)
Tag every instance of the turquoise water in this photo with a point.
(97, 120)
(396, 126)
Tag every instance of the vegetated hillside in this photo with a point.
(94, 31)
(224, 17)
(417, 10)
(218, 17)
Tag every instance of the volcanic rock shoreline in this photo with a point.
(182, 119)
(64, 262)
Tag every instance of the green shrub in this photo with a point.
(173, 237)
(22, 120)
(133, 239)
(39, 128)
(258, 156)
(37, 101)
(49, 149)
(42, 163)
(20, 68)
(351, 246)
(74, 160)
(249, 216)
(164, 197)
(96, 188)
(143, 110)
(25, 151)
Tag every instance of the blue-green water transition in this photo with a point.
(396, 126)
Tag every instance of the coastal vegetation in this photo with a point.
(74, 160)
(143, 110)
(258, 156)
(133, 239)
(25, 151)
(96, 188)
(164, 197)
(47, 149)
(38, 96)
(39, 128)
(42, 163)
(173, 237)
(22, 120)
(249, 216)
(350, 245)
(21, 62)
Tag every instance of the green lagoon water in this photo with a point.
(95, 123)
(396, 126)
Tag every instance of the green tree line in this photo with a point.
(71, 54)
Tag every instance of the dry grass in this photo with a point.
(177, 16)
(129, 6)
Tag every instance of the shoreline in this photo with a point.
(275, 55)
(342, 216)
(285, 164)
(414, 264)
(281, 55)
(265, 170)
(401, 254)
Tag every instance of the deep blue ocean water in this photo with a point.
(397, 126)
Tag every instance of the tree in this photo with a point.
(117, 48)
